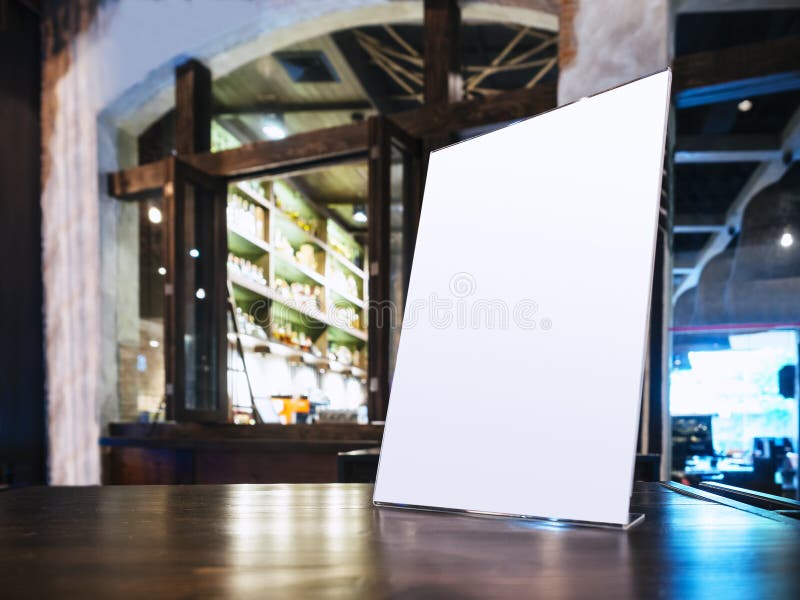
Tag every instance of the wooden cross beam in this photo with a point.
(500, 64)
(443, 82)
(192, 108)
(344, 141)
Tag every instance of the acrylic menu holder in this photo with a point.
(518, 381)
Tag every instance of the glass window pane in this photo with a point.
(397, 258)
(140, 309)
(296, 258)
(200, 334)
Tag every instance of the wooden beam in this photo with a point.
(267, 108)
(683, 7)
(136, 181)
(412, 60)
(727, 148)
(400, 75)
(341, 142)
(737, 72)
(542, 72)
(374, 88)
(508, 67)
(443, 82)
(484, 72)
(518, 62)
(192, 108)
(500, 108)
(401, 42)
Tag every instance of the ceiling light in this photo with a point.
(745, 105)
(154, 344)
(787, 239)
(273, 128)
(194, 252)
(154, 214)
(200, 294)
(359, 213)
(162, 271)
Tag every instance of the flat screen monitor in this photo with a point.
(534, 253)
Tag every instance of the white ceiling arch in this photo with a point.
(134, 110)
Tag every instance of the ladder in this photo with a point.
(240, 351)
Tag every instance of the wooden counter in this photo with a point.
(171, 453)
(328, 541)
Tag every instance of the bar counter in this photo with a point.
(328, 541)
(173, 453)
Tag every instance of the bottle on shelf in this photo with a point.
(246, 325)
(307, 257)
(304, 294)
(281, 244)
(246, 217)
(345, 316)
(248, 269)
(340, 353)
(341, 281)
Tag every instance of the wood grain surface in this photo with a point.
(327, 541)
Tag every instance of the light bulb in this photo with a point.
(200, 294)
(745, 105)
(154, 214)
(359, 213)
(787, 239)
(273, 128)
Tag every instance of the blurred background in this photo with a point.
(209, 211)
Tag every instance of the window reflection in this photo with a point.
(733, 385)
(140, 309)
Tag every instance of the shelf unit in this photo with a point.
(270, 239)
(256, 344)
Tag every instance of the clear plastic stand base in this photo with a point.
(633, 518)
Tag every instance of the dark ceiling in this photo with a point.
(699, 32)
(706, 190)
(769, 115)
(480, 45)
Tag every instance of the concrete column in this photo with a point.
(604, 44)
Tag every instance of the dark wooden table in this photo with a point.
(327, 541)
